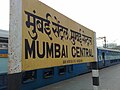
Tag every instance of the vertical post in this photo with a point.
(95, 76)
(95, 71)
(14, 45)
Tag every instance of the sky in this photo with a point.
(101, 16)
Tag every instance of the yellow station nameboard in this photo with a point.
(51, 39)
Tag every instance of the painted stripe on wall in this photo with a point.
(95, 81)
(3, 55)
(95, 73)
(95, 88)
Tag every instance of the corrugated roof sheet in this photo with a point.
(4, 33)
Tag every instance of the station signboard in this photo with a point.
(47, 38)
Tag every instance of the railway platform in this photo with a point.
(109, 80)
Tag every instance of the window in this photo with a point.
(103, 58)
(62, 70)
(29, 76)
(48, 73)
(103, 55)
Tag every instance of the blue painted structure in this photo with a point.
(42, 77)
(3, 51)
(3, 65)
(41, 81)
(3, 71)
(108, 57)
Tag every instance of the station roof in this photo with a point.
(4, 33)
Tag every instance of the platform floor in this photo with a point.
(109, 80)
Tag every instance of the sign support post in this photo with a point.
(95, 76)
(95, 70)
(14, 45)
